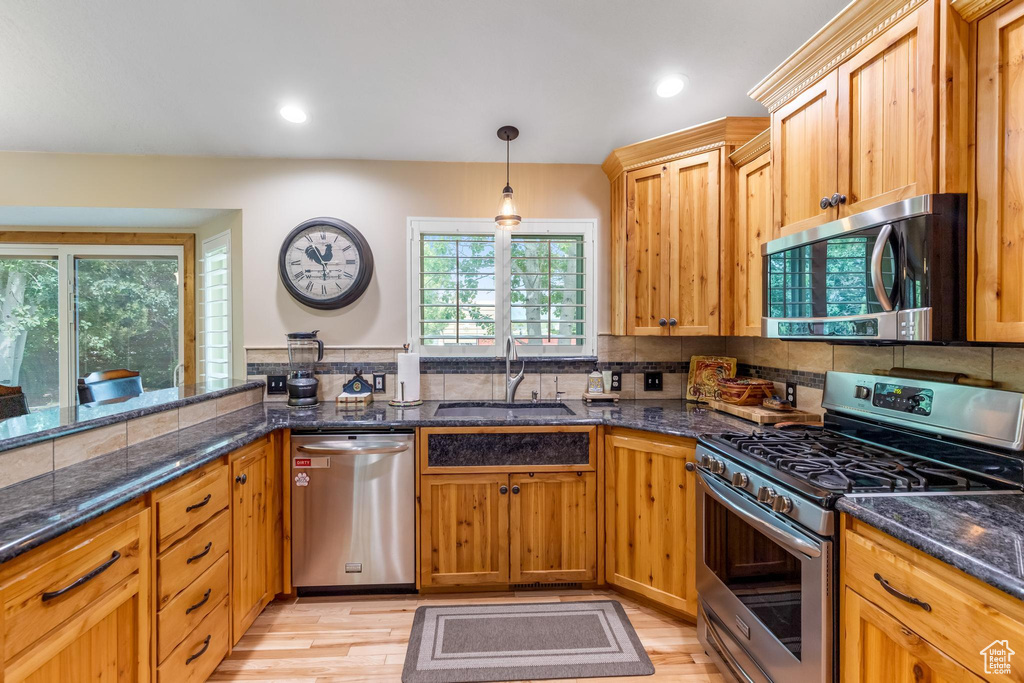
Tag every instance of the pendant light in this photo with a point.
(507, 218)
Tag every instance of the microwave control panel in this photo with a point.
(902, 398)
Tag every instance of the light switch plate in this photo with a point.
(378, 383)
(652, 381)
(276, 384)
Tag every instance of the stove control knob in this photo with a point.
(717, 466)
(740, 480)
(782, 504)
(862, 392)
(765, 494)
(705, 462)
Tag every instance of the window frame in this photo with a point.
(217, 241)
(586, 227)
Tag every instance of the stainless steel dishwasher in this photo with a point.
(353, 510)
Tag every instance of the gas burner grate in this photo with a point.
(839, 463)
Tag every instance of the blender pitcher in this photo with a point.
(304, 352)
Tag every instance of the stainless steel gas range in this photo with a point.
(766, 526)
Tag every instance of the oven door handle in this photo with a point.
(388, 448)
(876, 267)
(792, 542)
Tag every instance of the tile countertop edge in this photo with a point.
(962, 559)
(20, 440)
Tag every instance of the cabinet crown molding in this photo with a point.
(855, 26)
(975, 9)
(726, 131)
(755, 147)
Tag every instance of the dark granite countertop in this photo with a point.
(40, 509)
(982, 535)
(49, 423)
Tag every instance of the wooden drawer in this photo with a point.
(187, 560)
(60, 586)
(181, 511)
(200, 652)
(964, 615)
(191, 606)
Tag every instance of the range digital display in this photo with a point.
(905, 399)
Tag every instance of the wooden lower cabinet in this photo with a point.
(250, 535)
(463, 529)
(876, 648)
(650, 525)
(553, 527)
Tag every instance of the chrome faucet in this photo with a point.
(512, 382)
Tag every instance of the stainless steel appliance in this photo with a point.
(766, 527)
(304, 352)
(896, 273)
(353, 504)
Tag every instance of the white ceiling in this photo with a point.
(381, 79)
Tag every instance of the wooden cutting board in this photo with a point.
(765, 416)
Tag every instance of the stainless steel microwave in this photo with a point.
(897, 273)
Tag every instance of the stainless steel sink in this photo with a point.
(501, 410)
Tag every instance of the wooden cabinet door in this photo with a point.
(753, 227)
(648, 250)
(102, 646)
(553, 527)
(804, 157)
(463, 529)
(250, 576)
(998, 236)
(876, 648)
(650, 525)
(887, 116)
(694, 217)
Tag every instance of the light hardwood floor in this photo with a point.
(364, 639)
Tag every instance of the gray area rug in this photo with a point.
(509, 642)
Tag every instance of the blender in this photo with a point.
(304, 352)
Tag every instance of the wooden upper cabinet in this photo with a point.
(464, 529)
(553, 527)
(694, 221)
(887, 116)
(648, 238)
(804, 157)
(998, 237)
(876, 648)
(753, 220)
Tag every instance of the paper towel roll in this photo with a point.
(408, 372)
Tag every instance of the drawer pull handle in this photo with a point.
(206, 646)
(200, 555)
(203, 502)
(206, 596)
(114, 557)
(901, 595)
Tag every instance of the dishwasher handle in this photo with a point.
(390, 448)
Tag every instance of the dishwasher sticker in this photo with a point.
(322, 461)
(302, 479)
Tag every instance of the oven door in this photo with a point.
(767, 586)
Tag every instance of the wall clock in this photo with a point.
(325, 263)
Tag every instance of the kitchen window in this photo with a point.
(473, 286)
(215, 311)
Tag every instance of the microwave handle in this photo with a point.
(876, 267)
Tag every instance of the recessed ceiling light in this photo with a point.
(671, 85)
(292, 113)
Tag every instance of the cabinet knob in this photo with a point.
(503, 490)
(241, 479)
(663, 322)
(672, 322)
(515, 489)
(837, 199)
(825, 203)
(690, 467)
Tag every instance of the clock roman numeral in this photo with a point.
(338, 285)
(350, 261)
(323, 289)
(347, 248)
(347, 274)
(296, 262)
(299, 275)
(309, 286)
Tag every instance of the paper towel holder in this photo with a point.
(401, 402)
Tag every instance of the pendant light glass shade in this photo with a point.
(508, 218)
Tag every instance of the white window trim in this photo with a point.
(587, 227)
(222, 239)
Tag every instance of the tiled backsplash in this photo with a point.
(804, 363)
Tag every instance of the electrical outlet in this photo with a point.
(378, 383)
(276, 384)
(616, 381)
(791, 393)
(652, 381)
